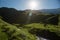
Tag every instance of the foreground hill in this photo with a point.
(10, 32)
(28, 32)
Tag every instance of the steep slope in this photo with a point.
(10, 32)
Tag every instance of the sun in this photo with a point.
(33, 5)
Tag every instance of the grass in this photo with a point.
(51, 28)
(19, 33)
(22, 33)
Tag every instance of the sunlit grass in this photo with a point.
(25, 30)
(4, 36)
(51, 28)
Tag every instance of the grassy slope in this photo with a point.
(51, 28)
(4, 36)
(24, 30)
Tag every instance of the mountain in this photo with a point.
(12, 15)
(54, 11)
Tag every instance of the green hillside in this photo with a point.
(18, 25)
(13, 33)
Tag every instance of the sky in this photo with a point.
(24, 4)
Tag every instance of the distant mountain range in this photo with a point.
(46, 11)
(54, 11)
